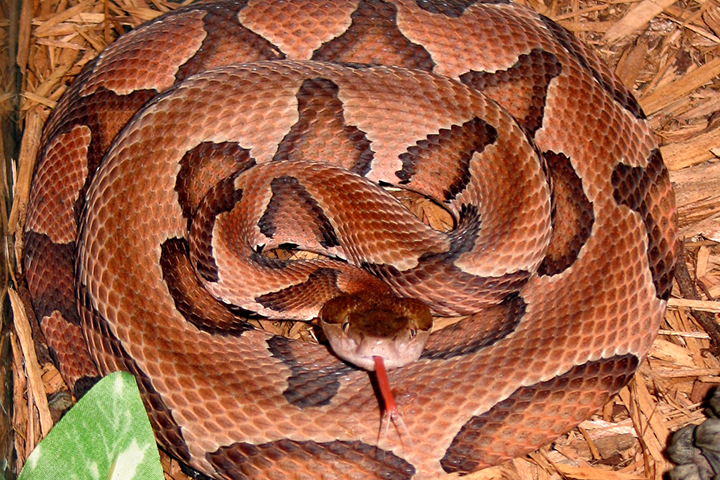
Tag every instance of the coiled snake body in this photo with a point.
(211, 134)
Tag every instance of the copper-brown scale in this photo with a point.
(562, 252)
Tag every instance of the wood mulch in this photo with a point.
(668, 53)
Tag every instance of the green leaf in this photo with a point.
(106, 435)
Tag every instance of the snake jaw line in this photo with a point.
(366, 325)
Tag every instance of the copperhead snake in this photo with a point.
(220, 130)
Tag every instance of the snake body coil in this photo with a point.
(219, 131)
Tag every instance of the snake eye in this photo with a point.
(345, 327)
(413, 332)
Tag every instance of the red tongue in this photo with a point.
(391, 410)
(390, 406)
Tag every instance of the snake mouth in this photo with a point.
(364, 327)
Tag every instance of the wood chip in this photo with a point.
(632, 61)
(636, 19)
(28, 152)
(693, 151)
(671, 352)
(61, 17)
(665, 95)
(702, 305)
(32, 367)
(711, 17)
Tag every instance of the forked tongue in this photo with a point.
(390, 410)
(387, 396)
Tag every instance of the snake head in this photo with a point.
(362, 326)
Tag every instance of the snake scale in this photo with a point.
(201, 140)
